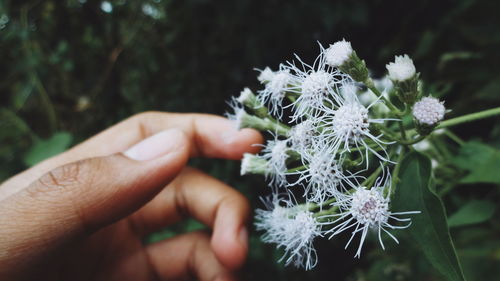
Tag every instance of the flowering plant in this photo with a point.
(343, 156)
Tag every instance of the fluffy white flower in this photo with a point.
(324, 177)
(253, 164)
(292, 229)
(238, 112)
(338, 53)
(368, 210)
(428, 111)
(265, 75)
(315, 89)
(276, 154)
(302, 136)
(401, 69)
(275, 90)
(314, 86)
(348, 126)
(244, 95)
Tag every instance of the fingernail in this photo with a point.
(156, 145)
(243, 236)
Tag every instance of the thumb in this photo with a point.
(83, 196)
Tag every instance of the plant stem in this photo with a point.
(372, 177)
(297, 169)
(369, 83)
(402, 129)
(469, 118)
(314, 206)
(413, 141)
(395, 173)
(330, 211)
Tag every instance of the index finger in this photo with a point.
(210, 136)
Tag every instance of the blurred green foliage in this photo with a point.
(72, 68)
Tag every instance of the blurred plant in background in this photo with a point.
(72, 68)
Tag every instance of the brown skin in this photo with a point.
(82, 215)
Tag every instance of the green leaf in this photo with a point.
(481, 160)
(43, 149)
(429, 229)
(475, 211)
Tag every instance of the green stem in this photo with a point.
(395, 172)
(469, 118)
(297, 169)
(402, 129)
(369, 83)
(413, 141)
(372, 177)
(326, 212)
(314, 206)
(263, 124)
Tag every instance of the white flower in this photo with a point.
(276, 154)
(314, 86)
(265, 75)
(244, 95)
(303, 136)
(292, 229)
(275, 90)
(238, 113)
(347, 127)
(315, 89)
(368, 210)
(253, 164)
(428, 111)
(401, 69)
(324, 177)
(338, 53)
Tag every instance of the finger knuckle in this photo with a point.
(63, 179)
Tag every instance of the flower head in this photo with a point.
(244, 95)
(265, 75)
(348, 126)
(275, 89)
(368, 210)
(314, 86)
(428, 111)
(338, 53)
(324, 177)
(292, 229)
(401, 69)
(302, 137)
(276, 154)
(253, 164)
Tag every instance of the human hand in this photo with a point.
(82, 215)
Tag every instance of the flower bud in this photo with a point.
(341, 55)
(253, 164)
(245, 120)
(427, 113)
(265, 75)
(248, 99)
(403, 74)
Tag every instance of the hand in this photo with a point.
(83, 214)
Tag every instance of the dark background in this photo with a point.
(69, 69)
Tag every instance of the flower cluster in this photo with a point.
(333, 139)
